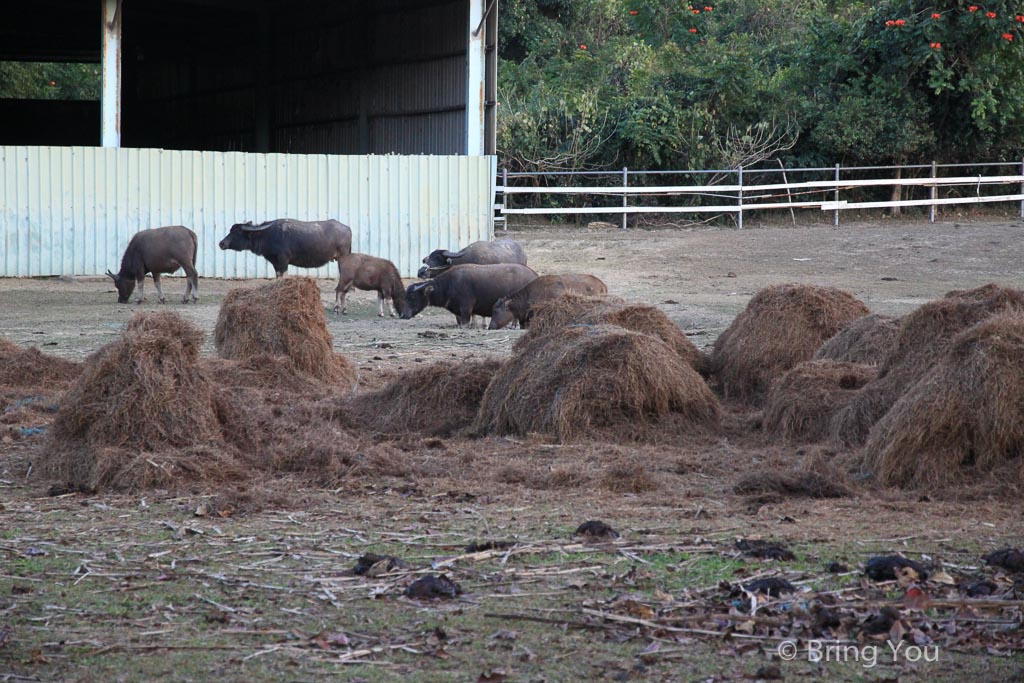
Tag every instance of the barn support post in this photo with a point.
(261, 113)
(110, 102)
(835, 214)
(491, 77)
(476, 57)
(934, 193)
(625, 199)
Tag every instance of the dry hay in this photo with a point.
(578, 309)
(141, 414)
(924, 336)
(781, 326)
(815, 477)
(440, 399)
(30, 368)
(867, 340)
(284, 317)
(963, 419)
(801, 404)
(582, 382)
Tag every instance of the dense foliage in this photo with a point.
(49, 81)
(669, 84)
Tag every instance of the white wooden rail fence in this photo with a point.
(743, 197)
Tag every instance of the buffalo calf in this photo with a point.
(158, 251)
(369, 273)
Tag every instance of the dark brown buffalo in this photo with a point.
(480, 253)
(467, 290)
(286, 242)
(519, 305)
(158, 251)
(369, 273)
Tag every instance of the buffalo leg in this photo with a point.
(141, 284)
(192, 286)
(340, 293)
(383, 302)
(159, 292)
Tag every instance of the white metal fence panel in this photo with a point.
(72, 210)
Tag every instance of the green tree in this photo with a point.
(49, 81)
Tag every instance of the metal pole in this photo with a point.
(934, 193)
(504, 198)
(739, 170)
(835, 217)
(110, 102)
(625, 184)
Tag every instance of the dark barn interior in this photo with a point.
(288, 76)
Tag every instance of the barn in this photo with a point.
(380, 114)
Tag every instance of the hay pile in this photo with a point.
(600, 381)
(924, 336)
(439, 399)
(578, 309)
(963, 419)
(780, 327)
(141, 414)
(867, 340)
(284, 317)
(30, 368)
(815, 477)
(801, 404)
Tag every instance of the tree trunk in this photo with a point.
(897, 194)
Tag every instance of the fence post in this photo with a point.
(835, 217)
(933, 194)
(739, 170)
(625, 184)
(1022, 189)
(504, 198)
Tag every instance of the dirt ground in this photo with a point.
(255, 583)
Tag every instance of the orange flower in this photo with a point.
(582, 46)
(693, 30)
(1020, 18)
(901, 22)
(696, 11)
(633, 12)
(936, 46)
(936, 16)
(890, 23)
(972, 8)
(1008, 36)
(709, 9)
(990, 15)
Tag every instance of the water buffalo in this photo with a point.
(366, 272)
(480, 253)
(285, 242)
(519, 305)
(467, 290)
(157, 251)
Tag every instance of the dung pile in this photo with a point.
(780, 327)
(801, 404)
(439, 399)
(963, 419)
(578, 309)
(141, 414)
(866, 340)
(284, 317)
(597, 381)
(924, 336)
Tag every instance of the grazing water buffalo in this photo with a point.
(519, 305)
(467, 290)
(480, 253)
(157, 251)
(285, 242)
(366, 272)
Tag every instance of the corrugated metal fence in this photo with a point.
(72, 210)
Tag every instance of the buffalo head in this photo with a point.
(237, 238)
(125, 287)
(501, 315)
(417, 297)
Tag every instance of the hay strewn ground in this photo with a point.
(963, 419)
(284, 317)
(27, 367)
(867, 340)
(578, 309)
(438, 399)
(588, 382)
(924, 336)
(801, 404)
(780, 327)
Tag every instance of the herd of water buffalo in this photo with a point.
(487, 279)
